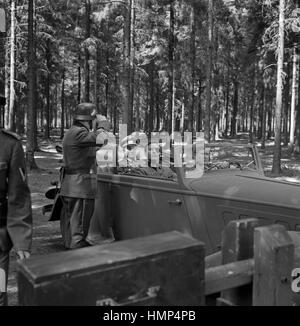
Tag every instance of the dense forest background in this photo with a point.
(218, 66)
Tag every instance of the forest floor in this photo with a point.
(46, 235)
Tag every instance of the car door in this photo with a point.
(143, 206)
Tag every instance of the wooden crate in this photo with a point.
(158, 270)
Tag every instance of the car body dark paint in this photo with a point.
(201, 207)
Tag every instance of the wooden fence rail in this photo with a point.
(257, 264)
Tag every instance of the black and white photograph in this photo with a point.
(149, 156)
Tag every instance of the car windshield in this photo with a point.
(213, 157)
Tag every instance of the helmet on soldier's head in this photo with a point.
(85, 112)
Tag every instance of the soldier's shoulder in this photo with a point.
(10, 134)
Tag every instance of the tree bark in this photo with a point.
(87, 54)
(193, 70)
(31, 123)
(12, 125)
(235, 109)
(125, 83)
(79, 80)
(199, 109)
(297, 131)
(277, 150)
(286, 106)
(62, 125)
(264, 114)
(48, 122)
(227, 105)
(293, 100)
(151, 102)
(209, 71)
(171, 77)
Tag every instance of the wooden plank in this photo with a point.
(274, 259)
(213, 260)
(228, 276)
(123, 272)
(78, 261)
(237, 244)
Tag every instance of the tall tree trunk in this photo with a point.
(277, 150)
(62, 126)
(125, 84)
(107, 81)
(251, 128)
(157, 107)
(152, 101)
(269, 133)
(132, 67)
(137, 110)
(293, 101)
(6, 107)
(12, 125)
(286, 106)
(235, 109)
(171, 72)
(227, 104)
(87, 54)
(264, 114)
(48, 122)
(209, 71)
(79, 80)
(56, 105)
(193, 70)
(31, 123)
(199, 109)
(297, 129)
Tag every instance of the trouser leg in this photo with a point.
(75, 220)
(100, 230)
(4, 262)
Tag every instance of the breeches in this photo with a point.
(4, 261)
(75, 220)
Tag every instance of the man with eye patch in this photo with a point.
(15, 206)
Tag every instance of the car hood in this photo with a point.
(248, 187)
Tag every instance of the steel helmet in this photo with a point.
(85, 112)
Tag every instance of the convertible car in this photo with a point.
(141, 202)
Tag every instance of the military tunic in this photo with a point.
(15, 204)
(79, 184)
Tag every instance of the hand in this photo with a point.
(101, 122)
(22, 254)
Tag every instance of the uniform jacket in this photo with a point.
(15, 201)
(79, 153)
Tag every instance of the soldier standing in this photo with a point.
(15, 206)
(79, 182)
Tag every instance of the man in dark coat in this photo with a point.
(15, 206)
(79, 182)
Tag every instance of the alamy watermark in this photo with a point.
(159, 149)
(296, 280)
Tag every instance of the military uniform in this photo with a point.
(79, 184)
(15, 204)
